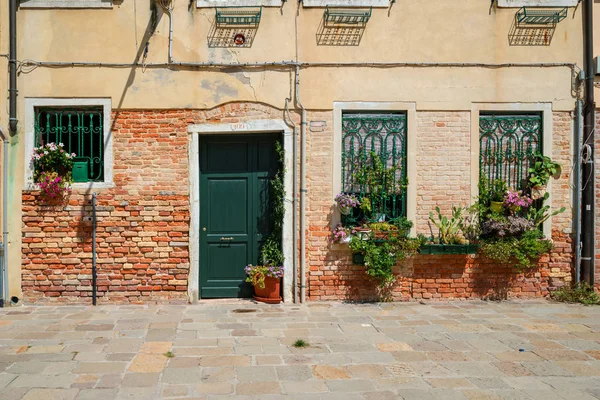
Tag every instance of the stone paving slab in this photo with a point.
(244, 350)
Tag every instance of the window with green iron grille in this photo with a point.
(81, 131)
(507, 144)
(365, 134)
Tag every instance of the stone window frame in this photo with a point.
(106, 103)
(346, 3)
(410, 108)
(545, 109)
(238, 3)
(536, 3)
(65, 4)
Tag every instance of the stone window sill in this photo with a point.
(537, 3)
(66, 4)
(238, 3)
(346, 3)
(31, 187)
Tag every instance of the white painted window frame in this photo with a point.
(536, 3)
(346, 3)
(249, 127)
(547, 139)
(410, 108)
(32, 103)
(66, 4)
(238, 3)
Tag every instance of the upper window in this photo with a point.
(66, 3)
(238, 3)
(538, 3)
(346, 3)
(81, 131)
(507, 145)
(374, 164)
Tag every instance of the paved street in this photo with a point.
(458, 350)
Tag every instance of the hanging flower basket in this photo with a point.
(53, 171)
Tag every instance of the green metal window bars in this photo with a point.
(81, 131)
(544, 18)
(385, 136)
(507, 144)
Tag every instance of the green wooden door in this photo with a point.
(235, 172)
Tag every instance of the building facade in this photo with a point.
(174, 108)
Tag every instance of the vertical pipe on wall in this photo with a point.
(94, 248)
(577, 192)
(4, 272)
(587, 169)
(294, 203)
(302, 189)
(12, 67)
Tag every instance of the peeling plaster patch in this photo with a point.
(242, 77)
(219, 90)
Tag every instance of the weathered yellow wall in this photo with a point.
(411, 31)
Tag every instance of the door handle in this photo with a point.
(226, 238)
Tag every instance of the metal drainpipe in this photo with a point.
(94, 272)
(587, 173)
(12, 66)
(302, 189)
(294, 204)
(5, 299)
(577, 197)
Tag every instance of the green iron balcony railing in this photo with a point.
(545, 17)
(341, 16)
(238, 16)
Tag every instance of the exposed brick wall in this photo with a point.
(143, 221)
(443, 164)
(443, 168)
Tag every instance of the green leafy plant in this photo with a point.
(523, 251)
(470, 225)
(300, 343)
(404, 226)
(381, 257)
(378, 180)
(258, 273)
(271, 252)
(542, 169)
(169, 354)
(448, 227)
(540, 215)
(498, 190)
(579, 293)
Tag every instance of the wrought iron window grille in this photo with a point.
(383, 135)
(81, 131)
(507, 145)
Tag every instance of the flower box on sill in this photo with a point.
(449, 249)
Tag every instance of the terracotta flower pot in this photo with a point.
(270, 293)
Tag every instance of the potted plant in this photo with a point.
(340, 234)
(346, 202)
(449, 239)
(497, 193)
(539, 174)
(515, 201)
(53, 171)
(266, 280)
